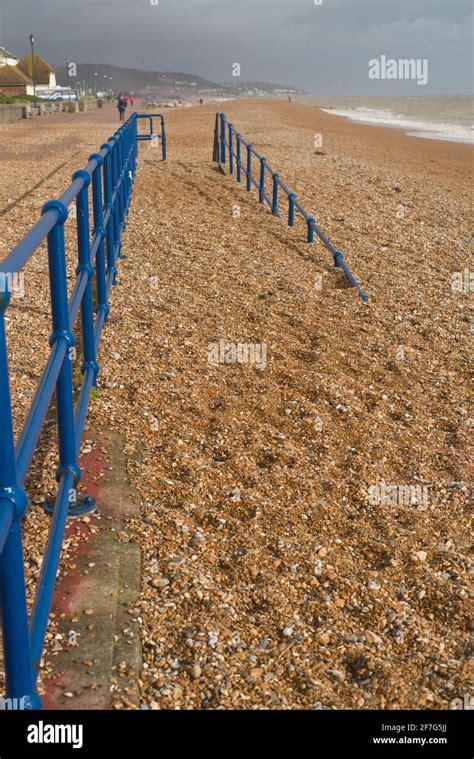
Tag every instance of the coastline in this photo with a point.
(390, 145)
(448, 118)
(427, 132)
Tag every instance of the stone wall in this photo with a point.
(13, 112)
(17, 111)
(87, 103)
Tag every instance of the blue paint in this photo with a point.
(249, 168)
(293, 204)
(261, 185)
(239, 157)
(109, 177)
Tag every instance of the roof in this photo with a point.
(11, 75)
(6, 53)
(42, 68)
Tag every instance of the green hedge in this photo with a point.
(6, 100)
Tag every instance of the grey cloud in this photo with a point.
(324, 49)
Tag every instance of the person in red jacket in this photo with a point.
(132, 100)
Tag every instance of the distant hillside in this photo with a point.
(165, 83)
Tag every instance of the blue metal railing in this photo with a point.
(109, 175)
(229, 145)
(152, 135)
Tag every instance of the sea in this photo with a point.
(434, 118)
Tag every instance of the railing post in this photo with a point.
(120, 182)
(163, 138)
(133, 143)
(261, 191)
(13, 504)
(129, 164)
(291, 209)
(85, 265)
(310, 222)
(101, 274)
(115, 202)
(16, 638)
(62, 331)
(126, 173)
(231, 150)
(68, 473)
(125, 176)
(215, 149)
(117, 187)
(249, 168)
(223, 123)
(239, 156)
(110, 231)
(275, 195)
(13, 500)
(136, 143)
(130, 159)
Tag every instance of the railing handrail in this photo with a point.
(224, 146)
(22, 252)
(110, 176)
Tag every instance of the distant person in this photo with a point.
(132, 100)
(201, 101)
(122, 106)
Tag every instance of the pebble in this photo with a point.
(323, 638)
(160, 582)
(373, 585)
(420, 556)
(306, 496)
(318, 568)
(372, 638)
(337, 675)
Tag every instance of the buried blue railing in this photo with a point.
(229, 144)
(109, 175)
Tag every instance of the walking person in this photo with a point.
(121, 106)
(132, 100)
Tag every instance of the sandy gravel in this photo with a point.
(270, 578)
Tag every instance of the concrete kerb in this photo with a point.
(94, 599)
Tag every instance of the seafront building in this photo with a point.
(16, 75)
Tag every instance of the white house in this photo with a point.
(7, 58)
(45, 75)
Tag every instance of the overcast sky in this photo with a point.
(324, 49)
